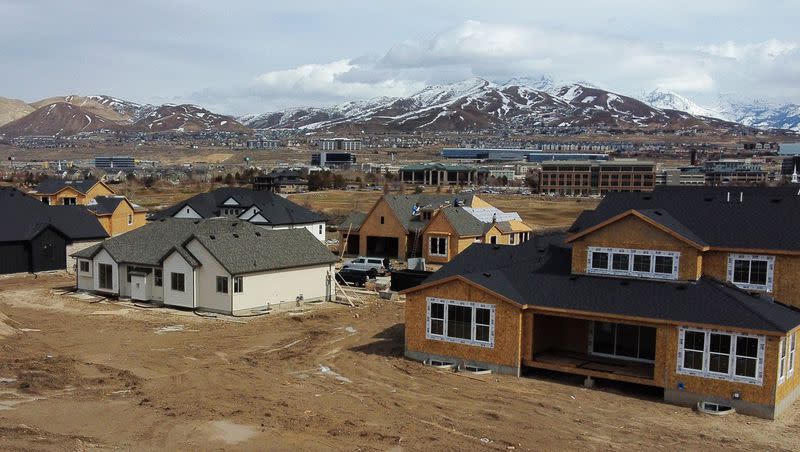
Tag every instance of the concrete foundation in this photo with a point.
(685, 398)
(495, 368)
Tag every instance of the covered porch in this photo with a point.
(592, 348)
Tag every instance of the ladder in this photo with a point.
(415, 243)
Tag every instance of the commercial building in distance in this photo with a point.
(263, 143)
(685, 175)
(340, 144)
(119, 162)
(443, 174)
(734, 172)
(332, 159)
(592, 177)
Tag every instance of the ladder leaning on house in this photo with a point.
(415, 243)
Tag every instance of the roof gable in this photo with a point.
(661, 221)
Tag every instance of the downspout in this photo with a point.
(231, 291)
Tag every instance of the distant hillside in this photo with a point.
(12, 109)
(58, 119)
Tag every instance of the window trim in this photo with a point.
(783, 355)
(471, 304)
(238, 284)
(173, 280)
(158, 277)
(792, 355)
(437, 238)
(731, 375)
(88, 270)
(732, 258)
(100, 276)
(631, 252)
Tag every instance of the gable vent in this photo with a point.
(236, 236)
(212, 237)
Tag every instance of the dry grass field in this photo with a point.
(83, 373)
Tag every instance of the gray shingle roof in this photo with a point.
(105, 204)
(465, 224)
(765, 218)
(401, 205)
(276, 209)
(537, 273)
(239, 246)
(353, 221)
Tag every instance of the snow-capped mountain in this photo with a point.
(478, 104)
(757, 113)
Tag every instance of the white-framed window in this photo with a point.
(631, 262)
(792, 353)
(158, 277)
(438, 246)
(782, 355)
(721, 355)
(462, 322)
(622, 341)
(512, 238)
(751, 272)
(85, 267)
(105, 279)
(177, 282)
(238, 284)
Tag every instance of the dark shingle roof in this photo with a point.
(276, 209)
(27, 217)
(105, 204)
(765, 218)
(239, 246)
(537, 273)
(50, 186)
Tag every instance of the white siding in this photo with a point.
(104, 258)
(207, 296)
(317, 229)
(282, 286)
(175, 263)
(187, 212)
(85, 280)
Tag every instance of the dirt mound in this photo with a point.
(5, 328)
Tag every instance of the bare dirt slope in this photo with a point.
(81, 375)
(13, 109)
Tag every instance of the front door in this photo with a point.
(139, 288)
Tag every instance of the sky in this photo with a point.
(241, 57)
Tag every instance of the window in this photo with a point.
(462, 322)
(158, 277)
(83, 266)
(630, 262)
(782, 361)
(721, 355)
(746, 356)
(222, 284)
(320, 230)
(382, 219)
(130, 219)
(511, 239)
(751, 272)
(105, 276)
(792, 352)
(493, 240)
(69, 201)
(46, 200)
(177, 282)
(438, 246)
(238, 284)
(623, 341)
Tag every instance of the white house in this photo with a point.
(220, 265)
(262, 208)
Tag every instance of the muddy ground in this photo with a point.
(78, 374)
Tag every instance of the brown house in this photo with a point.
(688, 289)
(393, 226)
(452, 229)
(116, 213)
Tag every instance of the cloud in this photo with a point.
(500, 52)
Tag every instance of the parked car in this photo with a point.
(352, 277)
(372, 265)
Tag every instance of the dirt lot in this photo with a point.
(77, 374)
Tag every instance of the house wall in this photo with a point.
(98, 189)
(283, 287)
(85, 279)
(502, 239)
(317, 229)
(786, 286)
(788, 391)
(391, 228)
(755, 400)
(16, 257)
(207, 296)
(118, 221)
(503, 357)
(187, 212)
(176, 263)
(440, 227)
(104, 258)
(48, 251)
(479, 202)
(632, 232)
(74, 247)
